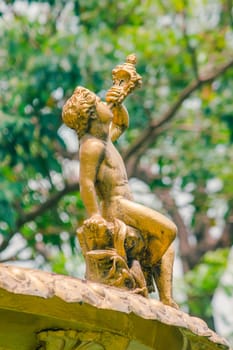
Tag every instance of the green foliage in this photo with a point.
(50, 47)
(202, 281)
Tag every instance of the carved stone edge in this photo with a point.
(47, 285)
(74, 340)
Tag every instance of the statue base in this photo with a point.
(41, 310)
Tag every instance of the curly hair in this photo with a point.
(78, 109)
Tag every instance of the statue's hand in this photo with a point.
(114, 95)
(96, 222)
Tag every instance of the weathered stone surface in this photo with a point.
(38, 308)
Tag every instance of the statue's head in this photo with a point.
(78, 110)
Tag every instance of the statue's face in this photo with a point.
(103, 112)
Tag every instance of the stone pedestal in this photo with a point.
(40, 310)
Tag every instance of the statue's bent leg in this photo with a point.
(158, 231)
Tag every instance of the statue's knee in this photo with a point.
(172, 231)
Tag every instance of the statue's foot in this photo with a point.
(142, 291)
(170, 302)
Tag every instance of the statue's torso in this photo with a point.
(112, 178)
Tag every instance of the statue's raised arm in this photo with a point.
(125, 80)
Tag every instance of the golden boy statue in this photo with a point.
(104, 184)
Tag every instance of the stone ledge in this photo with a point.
(35, 285)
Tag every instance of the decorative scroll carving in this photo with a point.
(68, 340)
(111, 253)
(80, 340)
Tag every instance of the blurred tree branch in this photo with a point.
(49, 203)
(147, 137)
(38, 210)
